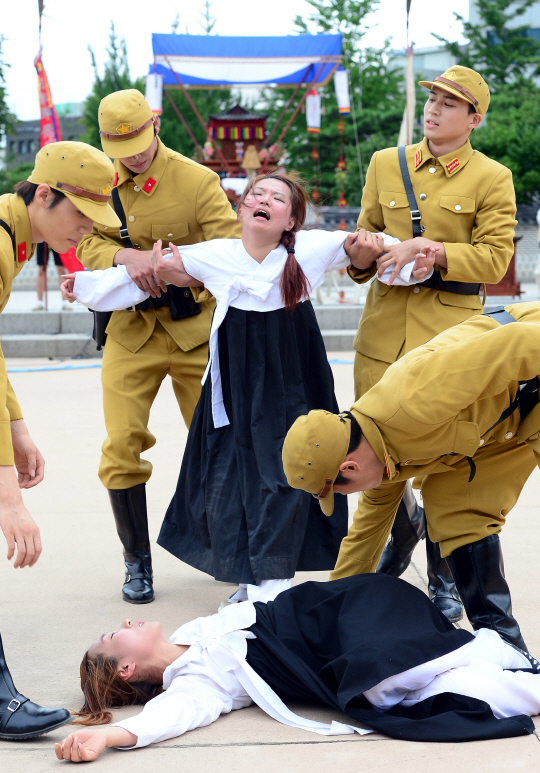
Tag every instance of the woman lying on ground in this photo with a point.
(371, 646)
(233, 515)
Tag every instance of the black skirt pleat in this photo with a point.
(328, 643)
(233, 515)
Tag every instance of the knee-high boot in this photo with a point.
(408, 529)
(19, 717)
(130, 515)
(478, 570)
(441, 585)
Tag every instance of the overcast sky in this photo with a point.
(70, 26)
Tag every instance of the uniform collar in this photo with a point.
(452, 162)
(375, 439)
(22, 229)
(148, 181)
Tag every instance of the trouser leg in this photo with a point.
(130, 384)
(187, 369)
(19, 717)
(466, 518)
(408, 529)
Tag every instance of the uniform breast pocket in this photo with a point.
(461, 221)
(170, 232)
(390, 200)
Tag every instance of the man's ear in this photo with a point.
(43, 195)
(126, 669)
(475, 121)
(349, 465)
(156, 123)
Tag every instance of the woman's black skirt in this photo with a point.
(233, 515)
(328, 643)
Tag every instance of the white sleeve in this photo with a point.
(191, 701)
(405, 277)
(110, 289)
(324, 247)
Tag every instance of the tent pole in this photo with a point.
(194, 108)
(295, 112)
(287, 106)
(182, 119)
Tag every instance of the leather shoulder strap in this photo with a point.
(413, 206)
(5, 226)
(119, 209)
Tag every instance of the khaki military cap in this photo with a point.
(83, 174)
(464, 83)
(126, 124)
(314, 448)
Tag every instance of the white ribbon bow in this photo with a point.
(231, 291)
(226, 644)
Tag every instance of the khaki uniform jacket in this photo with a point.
(437, 404)
(13, 211)
(469, 205)
(175, 200)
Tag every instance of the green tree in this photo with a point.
(377, 102)
(505, 54)
(10, 176)
(7, 118)
(115, 77)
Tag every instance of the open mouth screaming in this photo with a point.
(261, 213)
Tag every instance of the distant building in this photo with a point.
(21, 147)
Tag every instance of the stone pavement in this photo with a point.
(52, 612)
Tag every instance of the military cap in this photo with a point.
(464, 83)
(83, 174)
(126, 123)
(314, 448)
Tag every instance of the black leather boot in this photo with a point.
(408, 529)
(19, 717)
(129, 509)
(441, 585)
(478, 570)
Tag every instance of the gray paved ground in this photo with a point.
(51, 613)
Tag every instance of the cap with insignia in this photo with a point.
(83, 174)
(126, 123)
(314, 448)
(464, 83)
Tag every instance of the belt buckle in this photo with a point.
(14, 708)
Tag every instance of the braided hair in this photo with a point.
(294, 285)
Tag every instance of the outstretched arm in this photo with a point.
(86, 745)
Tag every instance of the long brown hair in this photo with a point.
(294, 284)
(104, 689)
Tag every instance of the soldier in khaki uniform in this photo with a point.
(69, 188)
(467, 206)
(166, 196)
(453, 413)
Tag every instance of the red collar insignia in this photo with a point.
(452, 166)
(115, 181)
(149, 184)
(21, 252)
(418, 159)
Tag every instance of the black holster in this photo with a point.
(101, 320)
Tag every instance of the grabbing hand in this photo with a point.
(363, 248)
(28, 460)
(424, 262)
(82, 746)
(139, 267)
(67, 287)
(170, 267)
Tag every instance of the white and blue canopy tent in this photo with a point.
(211, 61)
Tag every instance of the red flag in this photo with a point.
(49, 126)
